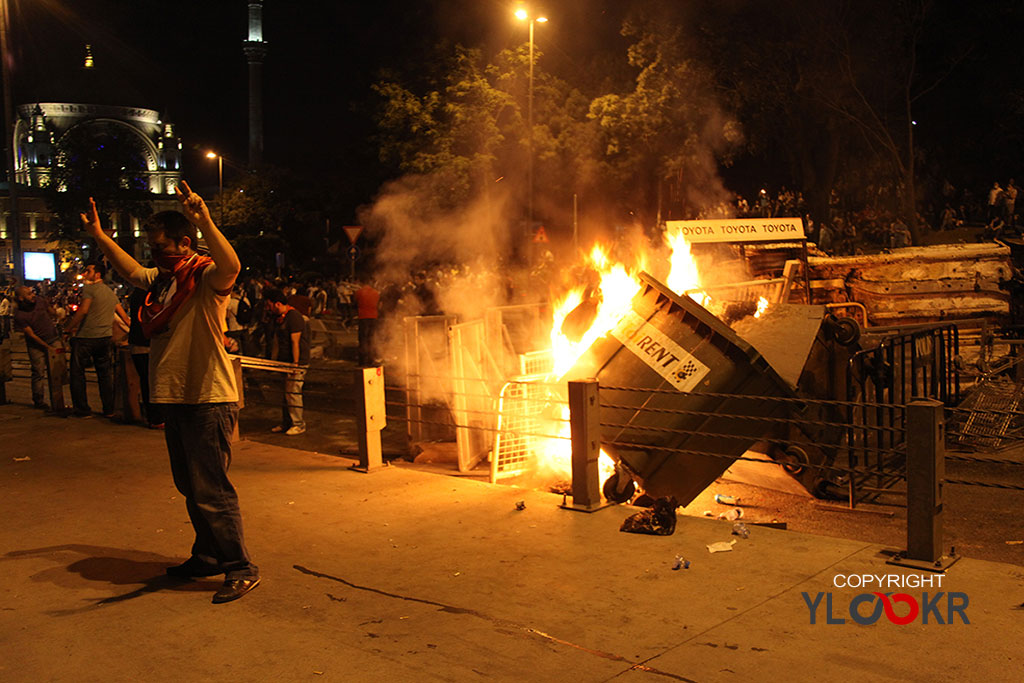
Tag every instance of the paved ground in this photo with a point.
(406, 575)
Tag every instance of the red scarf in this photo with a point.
(170, 291)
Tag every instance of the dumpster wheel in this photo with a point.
(612, 490)
(846, 330)
(794, 459)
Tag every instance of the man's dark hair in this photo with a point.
(275, 296)
(173, 225)
(99, 268)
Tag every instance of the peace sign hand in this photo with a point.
(91, 220)
(192, 205)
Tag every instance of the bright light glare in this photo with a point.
(211, 155)
(521, 14)
(541, 20)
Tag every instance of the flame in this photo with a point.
(762, 306)
(615, 293)
(683, 278)
(614, 296)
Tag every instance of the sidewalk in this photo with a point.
(403, 575)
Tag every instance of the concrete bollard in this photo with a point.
(585, 429)
(371, 418)
(57, 377)
(128, 390)
(926, 468)
(6, 370)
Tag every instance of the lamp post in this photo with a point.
(8, 133)
(220, 184)
(523, 15)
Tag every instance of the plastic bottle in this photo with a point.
(726, 500)
(740, 529)
(731, 515)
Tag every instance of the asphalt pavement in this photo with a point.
(408, 575)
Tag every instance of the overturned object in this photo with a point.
(676, 431)
(659, 520)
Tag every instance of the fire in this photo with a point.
(615, 293)
(610, 302)
(762, 306)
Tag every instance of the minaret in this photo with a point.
(255, 49)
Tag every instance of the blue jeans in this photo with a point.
(37, 359)
(199, 444)
(99, 349)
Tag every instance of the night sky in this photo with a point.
(185, 59)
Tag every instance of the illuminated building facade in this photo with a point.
(91, 104)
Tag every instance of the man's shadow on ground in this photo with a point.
(80, 566)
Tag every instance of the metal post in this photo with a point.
(128, 386)
(220, 189)
(10, 119)
(236, 365)
(575, 224)
(6, 370)
(370, 418)
(529, 123)
(56, 368)
(585, 429)
(925, 439)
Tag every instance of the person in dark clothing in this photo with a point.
(292, 347)
(139, 343)
(32, 316)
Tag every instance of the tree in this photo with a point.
(99, 160)
(669, 131)
(274, 211)
(455, 133)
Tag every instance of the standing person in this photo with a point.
(191, 377)
(6, 309)
(995, 198)
(139, 343)
(366, 300)
(292, 347)
(300, 301)
(33, 317)
(1011, 204)
(91, 332)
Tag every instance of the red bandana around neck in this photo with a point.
(169, 292)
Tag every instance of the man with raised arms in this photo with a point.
(192, 378)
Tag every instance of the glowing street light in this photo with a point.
(220, 183)
(523, 15)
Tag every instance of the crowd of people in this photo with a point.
(872, 220)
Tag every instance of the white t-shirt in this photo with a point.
(188, 362)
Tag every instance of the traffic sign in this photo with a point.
(541, 235)
(353, 252)
(353, 232)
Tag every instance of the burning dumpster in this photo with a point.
(687, 394)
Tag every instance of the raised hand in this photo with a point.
(192, 205)
(91, 220)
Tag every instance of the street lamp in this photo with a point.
(220, 183)
(523, 15)
(10, 118)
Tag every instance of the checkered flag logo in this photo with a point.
(688, 369)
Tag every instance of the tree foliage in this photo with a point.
(102, 161)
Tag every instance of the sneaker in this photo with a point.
(277, 429)
(295, 431)
(234, 589)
